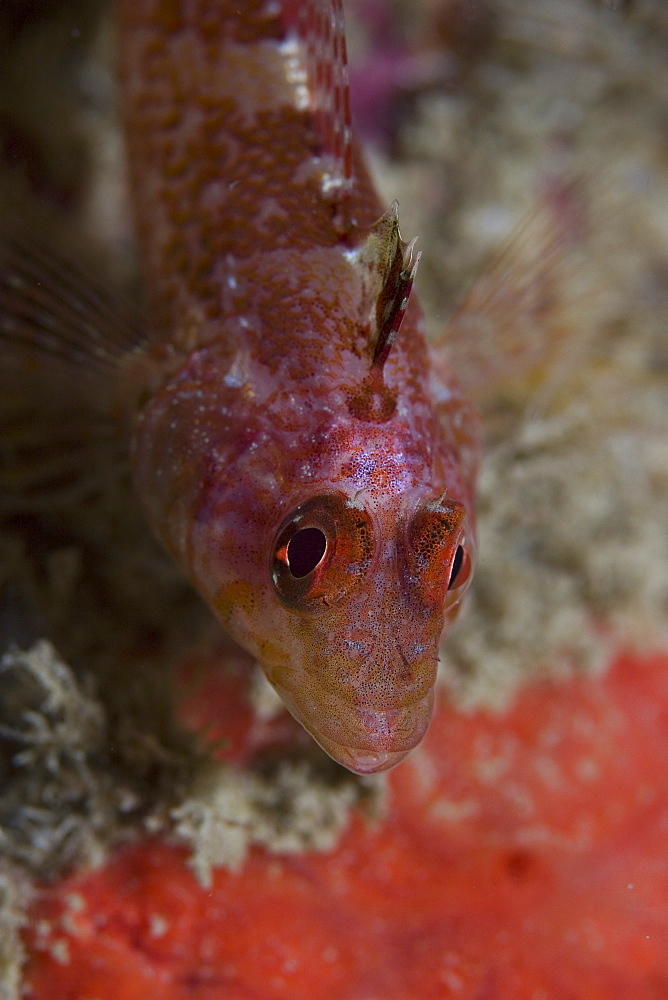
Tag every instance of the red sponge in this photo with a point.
(523, 855)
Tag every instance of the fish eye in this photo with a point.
(320, 550)
(457, 564)
(305, 551)
(462, 567)
(461, 571)
(439, 554)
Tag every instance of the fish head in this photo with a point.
(363, 587)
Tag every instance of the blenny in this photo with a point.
(300, 450)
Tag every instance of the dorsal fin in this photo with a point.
(389, 267)
(319, 26)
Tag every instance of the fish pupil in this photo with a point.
(456, 567)
(305, 550)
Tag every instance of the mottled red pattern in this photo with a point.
(524, 856)
(273, 377)
(219, 157)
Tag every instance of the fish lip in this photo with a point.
(365, 761)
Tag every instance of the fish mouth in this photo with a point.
(363, 761)
(379, 740)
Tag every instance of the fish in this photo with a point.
(302, 452)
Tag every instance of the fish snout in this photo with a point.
(369, 701)
(369, 740)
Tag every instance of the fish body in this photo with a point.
(299, 449)
(316, 495)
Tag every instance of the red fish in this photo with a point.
(300, 450)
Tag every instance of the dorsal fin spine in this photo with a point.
(390, 266)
